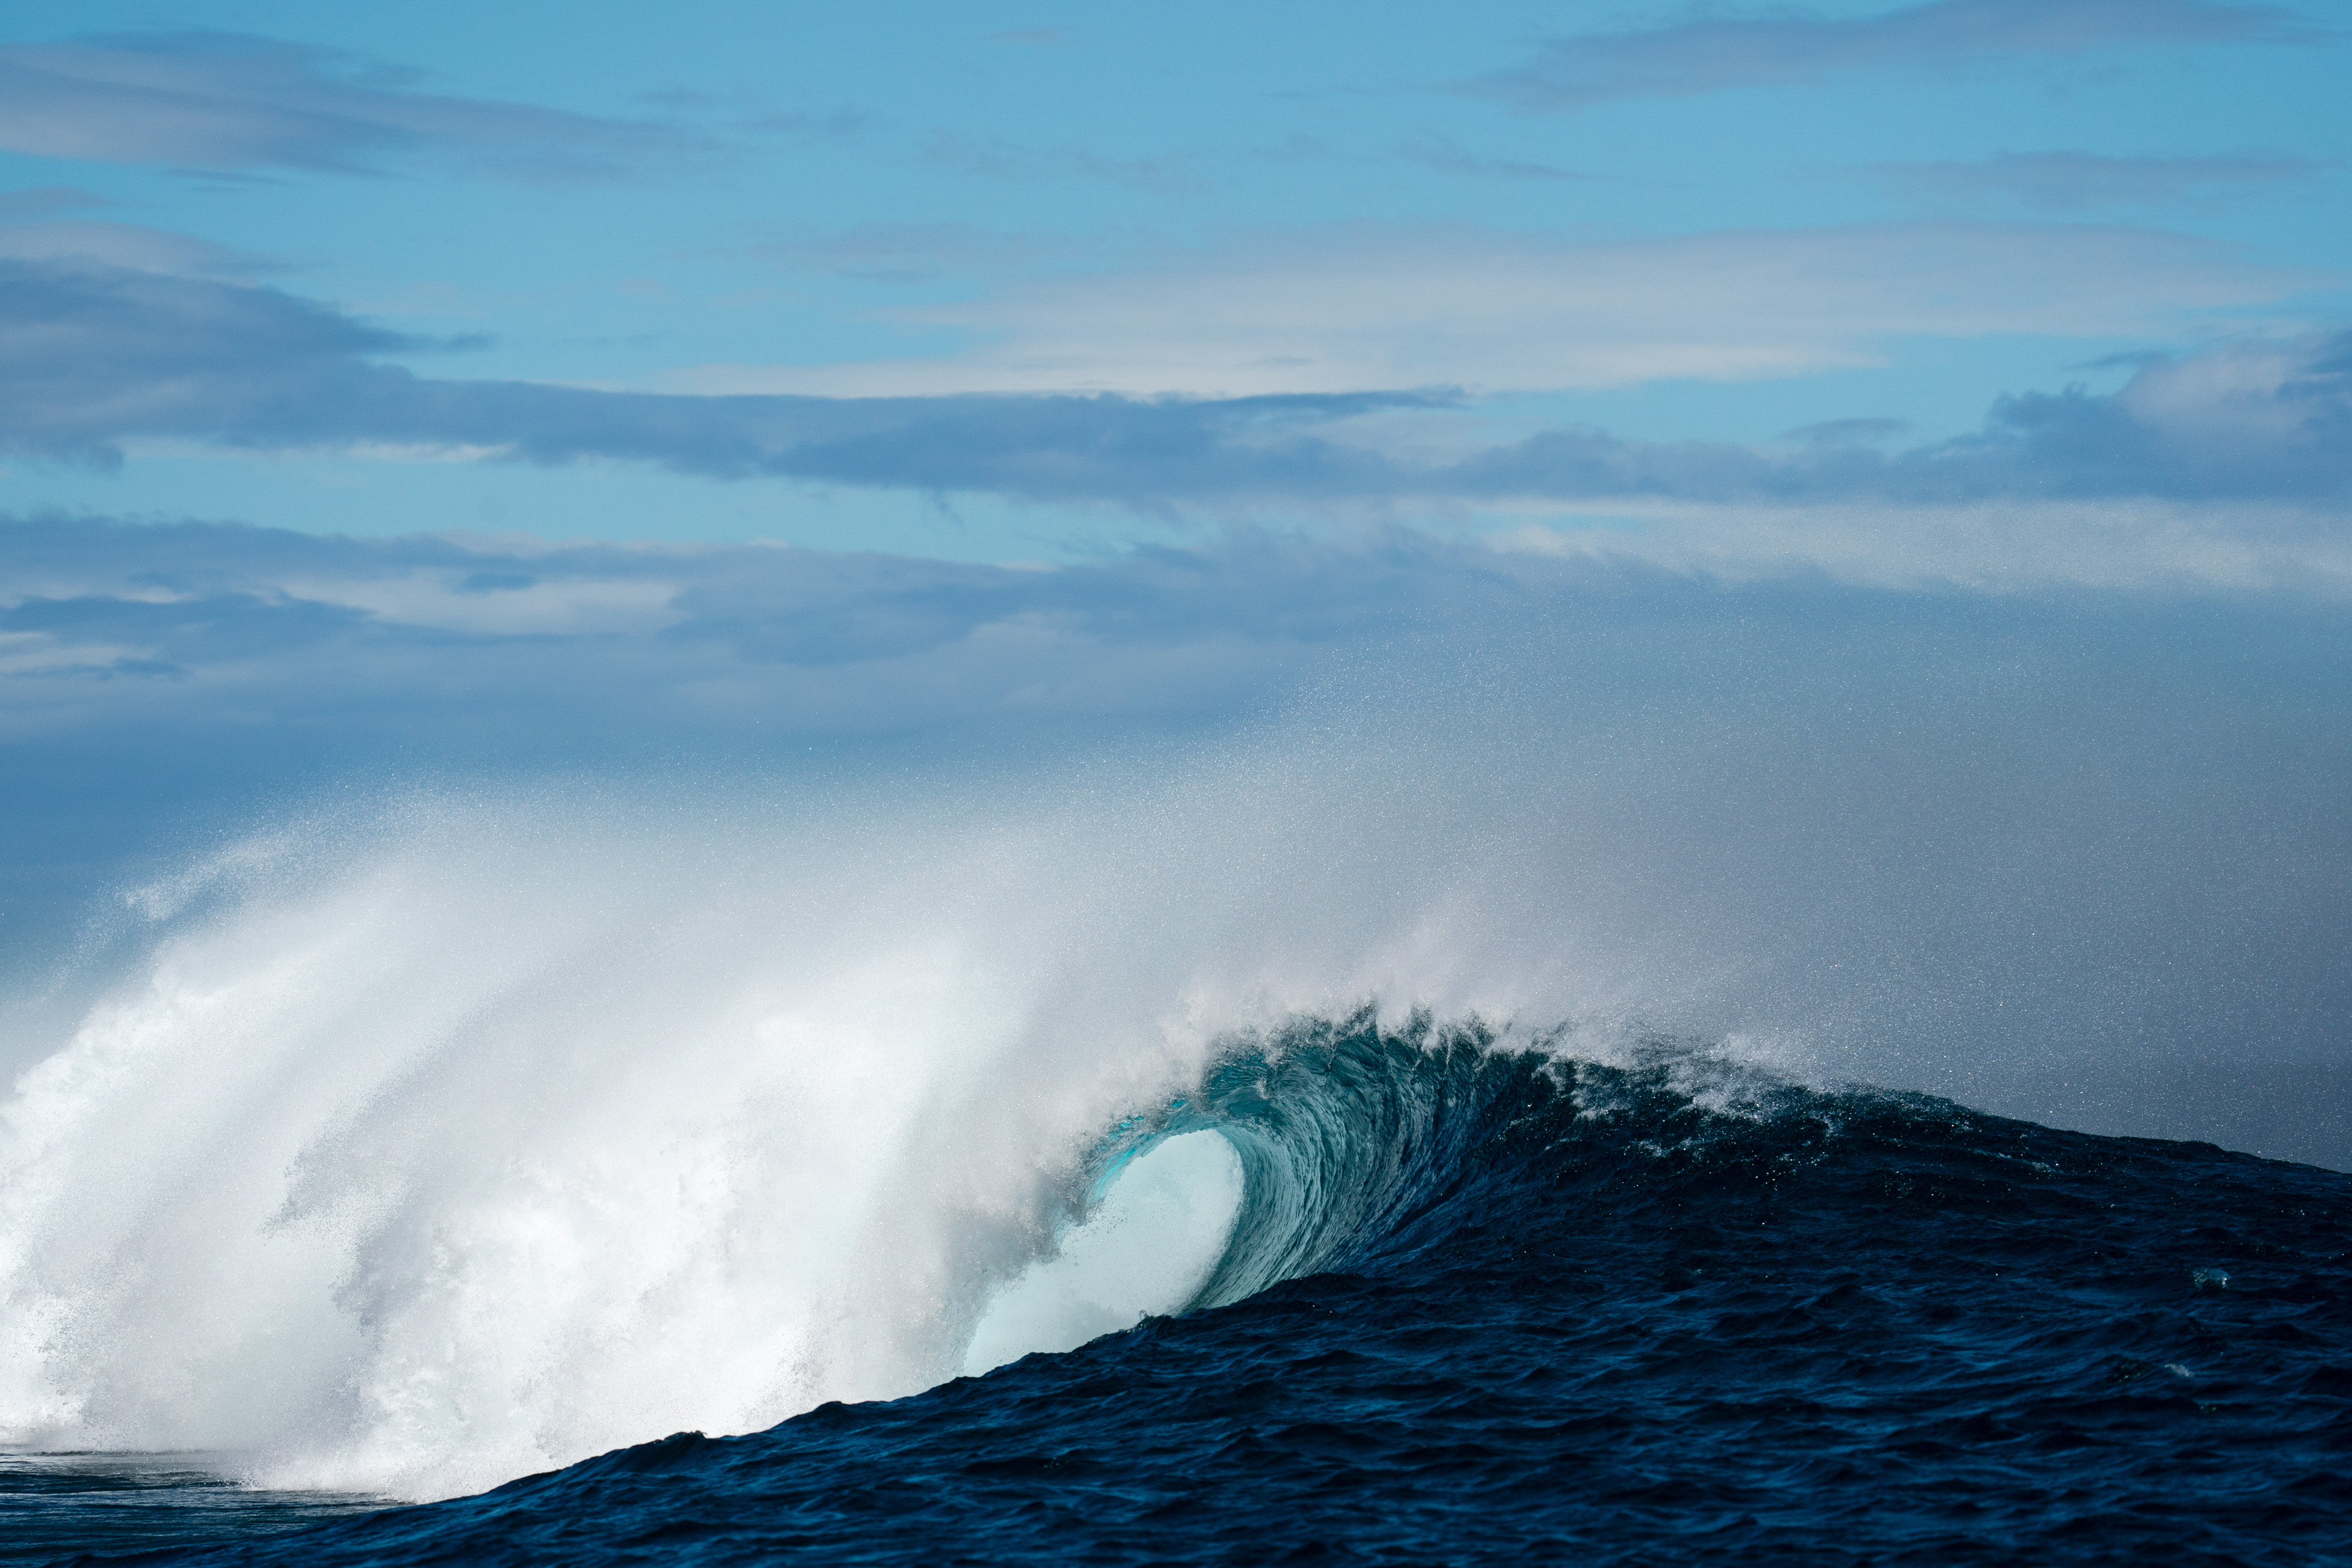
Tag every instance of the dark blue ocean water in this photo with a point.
(1487, 1306)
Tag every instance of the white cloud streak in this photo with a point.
(1351, 307)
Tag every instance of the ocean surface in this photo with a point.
(1466, 1297)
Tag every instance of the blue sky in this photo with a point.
(1002, 285)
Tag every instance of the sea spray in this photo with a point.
(494, 1132)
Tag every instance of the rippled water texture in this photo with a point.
(55, 1506)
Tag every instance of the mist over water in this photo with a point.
(421, 1141)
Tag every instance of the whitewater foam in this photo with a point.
(490, 1135)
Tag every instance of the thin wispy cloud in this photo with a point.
(2087, 183)
(1841, 433)
(1365, 306)
(227, 101)
(1714, 53)
(49, 201)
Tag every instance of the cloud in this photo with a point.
(91, 357)
(92, 354)
(2269, 422)
(2085, 182)
(1360, 306)
(216, 100)
(34, 226)
(43, 224)
(104, 623)
(201, 649)
(2271, 418)
(1848, 432)
(49, 201)
(133, 245)
(2003, 546)
(1716, 53)
(458, 644)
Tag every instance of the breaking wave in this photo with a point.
(412, 1147)
(420, 1150)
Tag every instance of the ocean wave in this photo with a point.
(1483, 1298)
(418, 1150)
(415, 1145)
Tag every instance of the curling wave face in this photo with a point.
(1300, 1152)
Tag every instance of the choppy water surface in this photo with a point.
(55, 1506)
(1475, 1301)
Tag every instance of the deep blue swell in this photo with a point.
(1479, 1307)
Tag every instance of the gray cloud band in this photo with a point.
(91, 357)
(221, 100)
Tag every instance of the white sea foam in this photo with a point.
(494, 1134)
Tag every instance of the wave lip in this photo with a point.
(1363, 1144)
